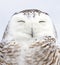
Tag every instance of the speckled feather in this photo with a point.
(43, 52)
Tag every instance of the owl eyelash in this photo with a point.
(41, 21)
(21, 21)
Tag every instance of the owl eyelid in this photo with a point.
(41, 21)
(21, 21)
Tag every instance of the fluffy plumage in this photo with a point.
(30, 39)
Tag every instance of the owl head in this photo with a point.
(29, 24)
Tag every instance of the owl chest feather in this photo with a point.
(38, 53)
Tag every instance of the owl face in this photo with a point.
(30, 24)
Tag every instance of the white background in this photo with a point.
(9, 7)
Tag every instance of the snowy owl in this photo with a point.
(30, 39)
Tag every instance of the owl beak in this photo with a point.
(31, 32)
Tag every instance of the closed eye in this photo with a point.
(41, 21)
(21, 21)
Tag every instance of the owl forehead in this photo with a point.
(26, 17)
(31, 13)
